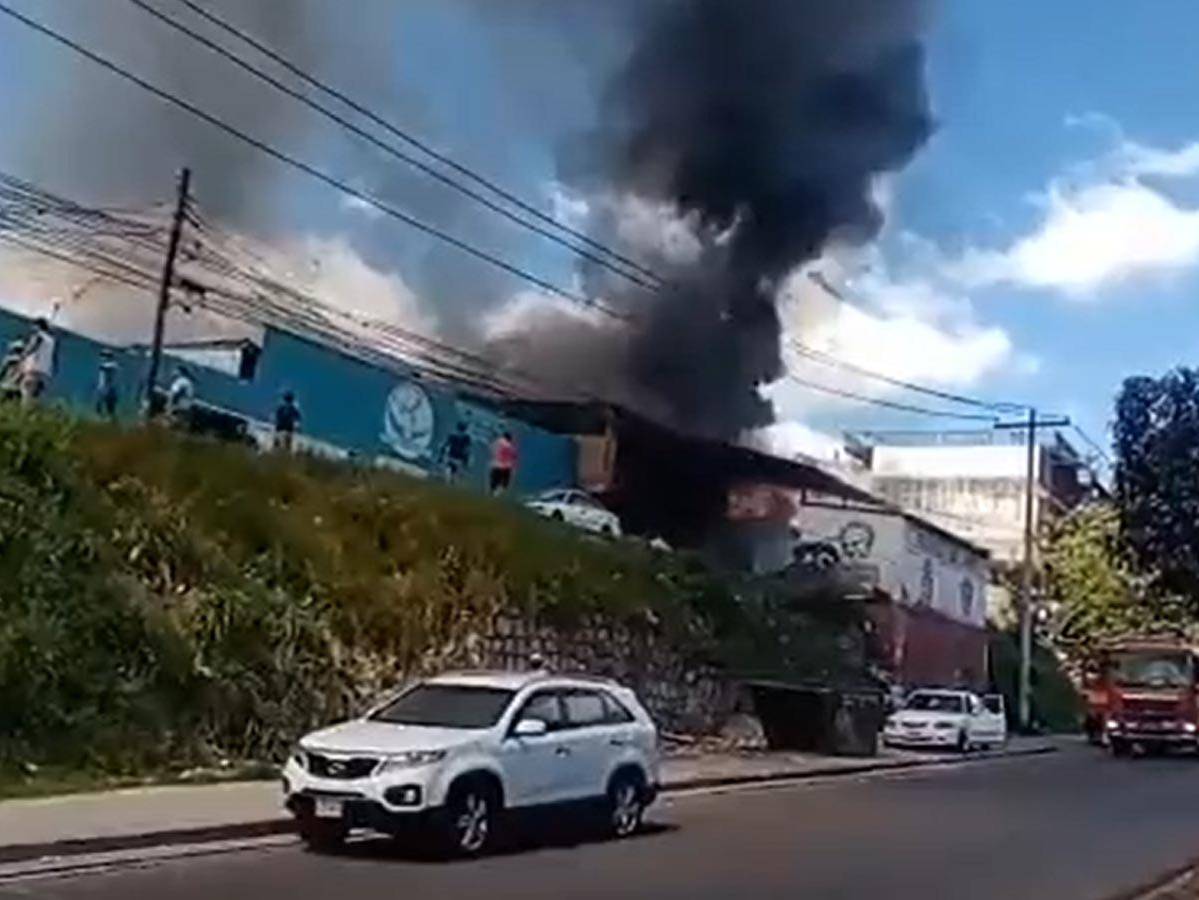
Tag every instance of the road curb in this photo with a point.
(15, 854)
(1163, 886)
(834, 771)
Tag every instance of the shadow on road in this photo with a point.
(523, 839)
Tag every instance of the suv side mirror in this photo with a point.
(530, 728)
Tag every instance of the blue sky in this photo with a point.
(1044, 245)
(1090, 100)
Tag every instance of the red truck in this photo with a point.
(1141, 694)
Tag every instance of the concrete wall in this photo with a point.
(914, 564)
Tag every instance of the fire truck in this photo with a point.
(1141, 696)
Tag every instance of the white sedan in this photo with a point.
(956, 720)
(576, 508)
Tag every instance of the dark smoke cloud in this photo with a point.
(767, 121)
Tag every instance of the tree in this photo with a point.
(1157, 479)
(1093, 588)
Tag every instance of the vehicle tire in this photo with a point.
(469, 821)
(322, 835)
(625, 807)
(607, 531)
(1120, 747)
(557, 516)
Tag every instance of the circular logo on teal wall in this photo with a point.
(409, 421)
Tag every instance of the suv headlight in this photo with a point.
(299, 756)
(412, 759)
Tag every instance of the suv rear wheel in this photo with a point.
(470, 817)
(626, 804)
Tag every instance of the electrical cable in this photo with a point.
(306, 168)
(410, 139)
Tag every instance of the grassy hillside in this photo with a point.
(168, 602)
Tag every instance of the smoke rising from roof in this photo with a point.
(764, 123)
(733, 139)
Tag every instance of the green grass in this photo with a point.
(167, 603)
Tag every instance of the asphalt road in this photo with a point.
(1071, 825)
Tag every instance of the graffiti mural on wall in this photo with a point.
(409, 422)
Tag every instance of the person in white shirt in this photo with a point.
(37, 365)
(180, 397)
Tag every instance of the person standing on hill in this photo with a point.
(37, 366)
(10, 370)
(503, 463)
(106, 386)
(457, 452)
(180, 397)
(287, 422)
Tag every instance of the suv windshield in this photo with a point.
(950, 703)
(1151, 669)
(446, 706)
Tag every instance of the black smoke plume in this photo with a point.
(764, 123)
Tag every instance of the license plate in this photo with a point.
(325, 808)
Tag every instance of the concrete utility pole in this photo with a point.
(164, 287)
(1028, 568)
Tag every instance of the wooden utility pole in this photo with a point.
(164, 288)
(1026, 575)
(1028, 568)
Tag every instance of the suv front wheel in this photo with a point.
(469, 819)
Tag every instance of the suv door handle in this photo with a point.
(562, 751)
(618, 742)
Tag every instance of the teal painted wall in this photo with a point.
(343, 401)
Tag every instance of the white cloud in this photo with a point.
(904, 346)
(332, 270)
(362, 207)
(1090, 237)
(652, 229)
(1141, 159)
(794, 440)
(531, 309)
(909, 329)
(1103, 222)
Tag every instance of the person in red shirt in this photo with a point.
(503, 463)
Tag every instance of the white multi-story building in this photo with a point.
(974, 484)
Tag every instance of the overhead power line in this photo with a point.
(829, 359)
(887, 404)
(387, 148)
(268, 301)
(307, 168)
(413, 141)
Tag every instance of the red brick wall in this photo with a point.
(925, 649)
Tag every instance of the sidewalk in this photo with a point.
(142, 817)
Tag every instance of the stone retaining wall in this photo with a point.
(682, 695)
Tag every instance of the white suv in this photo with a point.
(455, 754)
(577, 508)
